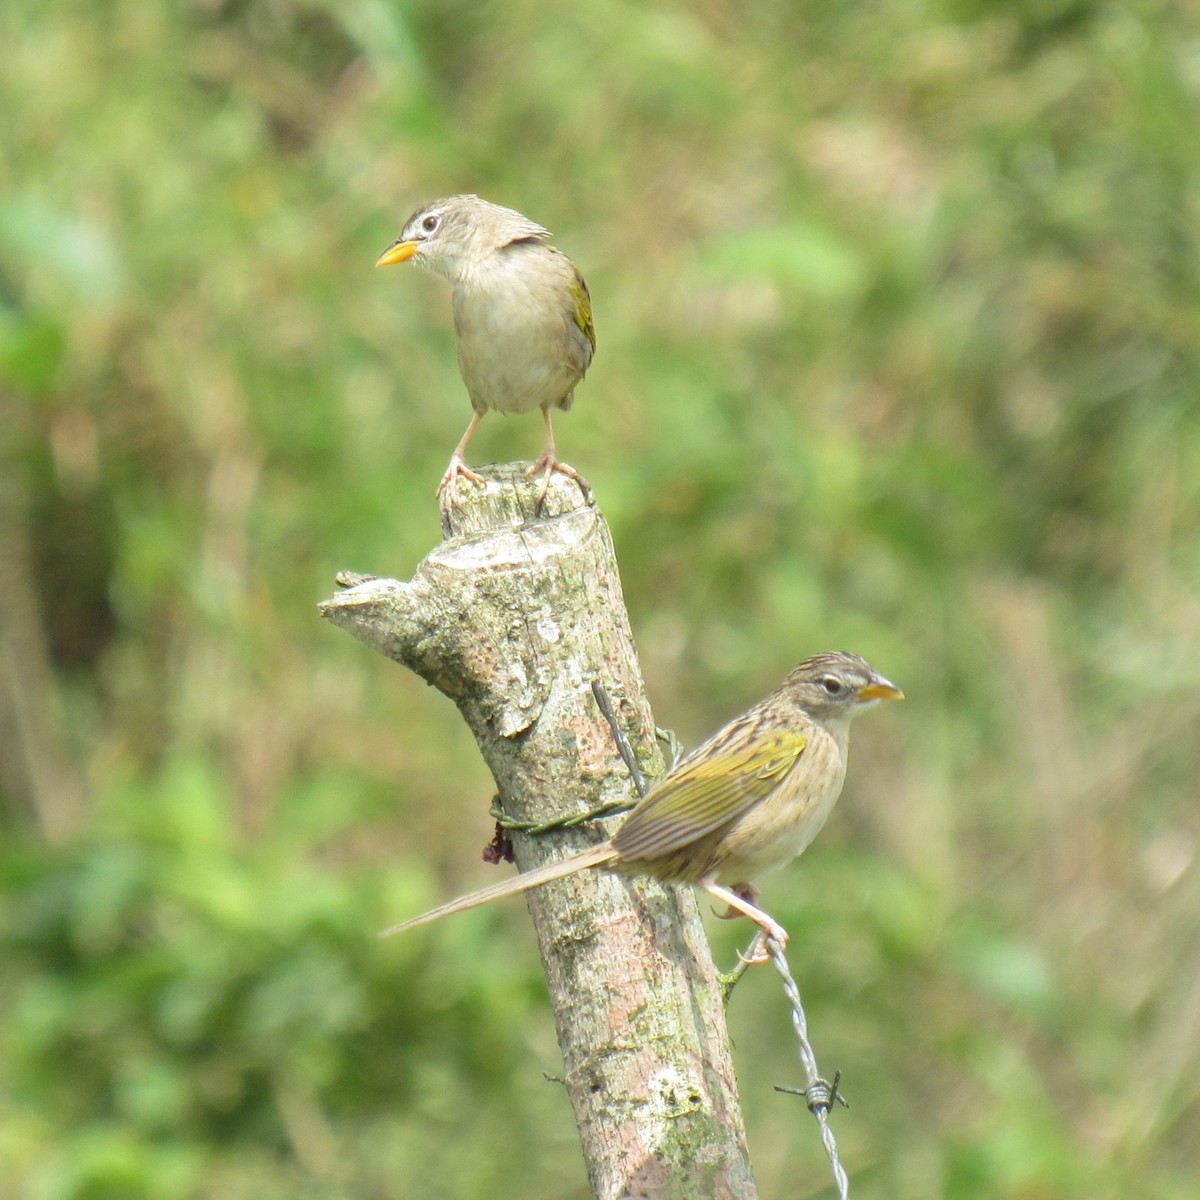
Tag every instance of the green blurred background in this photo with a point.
(898, 310)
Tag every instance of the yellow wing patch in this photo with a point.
(713, 786)
(583, 308)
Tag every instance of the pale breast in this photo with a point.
(774, 832)
(517, 347)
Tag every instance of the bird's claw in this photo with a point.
(757, 952)
(548, 464)
(774, 932)
(730, 914)
(447, 492)
(766, 941)
(458, 466)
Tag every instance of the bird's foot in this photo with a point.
(760, 950)
(742, 899)
(548, 464)
(447, 491)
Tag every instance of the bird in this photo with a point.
(522, 316)
(745, 802)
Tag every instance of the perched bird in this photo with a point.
(747, 801)
(522, 314)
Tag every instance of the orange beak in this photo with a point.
(397, 252)
(880, 690)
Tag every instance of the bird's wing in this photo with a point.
(714, 785)
(582, 316)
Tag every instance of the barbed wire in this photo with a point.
(818, 1093)
(613, 807)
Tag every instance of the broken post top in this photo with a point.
(508, 500)
(501, 611)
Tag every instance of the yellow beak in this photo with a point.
(882, 690)
(397, 252)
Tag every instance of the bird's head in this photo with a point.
(453, 235)
(837, 685)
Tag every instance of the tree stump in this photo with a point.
(513, 616)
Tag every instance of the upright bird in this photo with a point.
(522, 314)
(747, 801)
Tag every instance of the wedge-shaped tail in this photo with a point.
(597, 856)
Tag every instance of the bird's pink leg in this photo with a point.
(458, 464)
(549, 463)
(737, 901)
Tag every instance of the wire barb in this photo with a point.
(818, 1094)
(821, 1094)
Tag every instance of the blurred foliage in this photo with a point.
(899, 349)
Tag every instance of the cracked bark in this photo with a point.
(512, 617)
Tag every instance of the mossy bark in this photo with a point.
(513, 618)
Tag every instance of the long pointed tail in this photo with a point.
(597, 856)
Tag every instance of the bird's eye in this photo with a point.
(430, 223)
(832, 685)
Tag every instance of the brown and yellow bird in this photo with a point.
(747, 801)
(522, 314)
